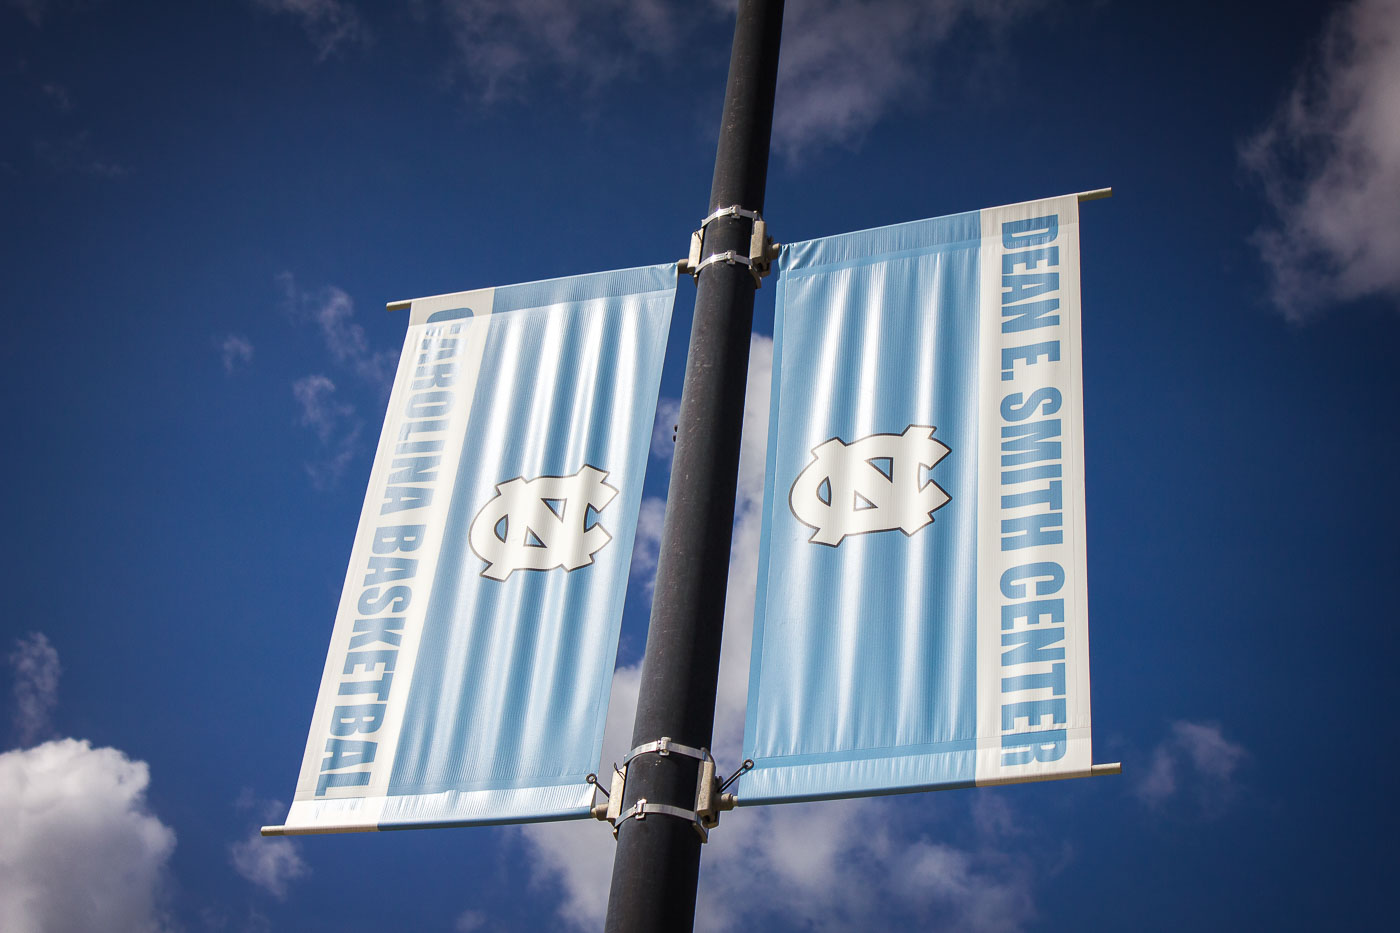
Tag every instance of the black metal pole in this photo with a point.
(657, 864)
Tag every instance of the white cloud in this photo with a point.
(334, 424)
(270, 863)
(663, 429)
(36, 669)
(503, 41)
(33, 10)
(1210, 753)
(646, 548)
(843, 865)
(264, 811)
(234, 350)
(36, 10)
(846, 63)
(1329, 163)
(319, 409)
(753, 445)
(76, 154)
(832, 865)
(979, 891)
(329, 24)
(327, 471)
(576, 857)
(81, 851)
(732, 697)
(469, 921)
(344, 339)
(59, 95)
(333, 313)
(835, 865)
(993, 816)
(1197, 753)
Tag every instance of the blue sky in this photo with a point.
(206, 206)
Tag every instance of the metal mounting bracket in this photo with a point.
(639, 810)
(730, 256)
(732, 210)
(762, 249)
(664, 746)
(710, 798)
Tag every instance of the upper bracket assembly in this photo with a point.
(710, 798)
(762, 249)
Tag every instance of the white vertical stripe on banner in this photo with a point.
(1032, 630)
(418, 454)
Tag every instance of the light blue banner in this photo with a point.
(469, 671)
(886, 657)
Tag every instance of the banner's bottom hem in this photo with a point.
(435, 811)
(912, 774)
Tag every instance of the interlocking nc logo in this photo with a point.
(875, 483)
(541, 524)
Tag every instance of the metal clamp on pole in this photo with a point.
(664, 746)
(762, 249)
(732, 210)
(641, 808)
(729, 256)
(710, 798)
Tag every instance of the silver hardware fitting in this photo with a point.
(664, 746)
(762, 249)
(639, 810)
(732, 210)
(729, 256)
(710, 797)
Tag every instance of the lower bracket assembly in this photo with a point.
(710, 797)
